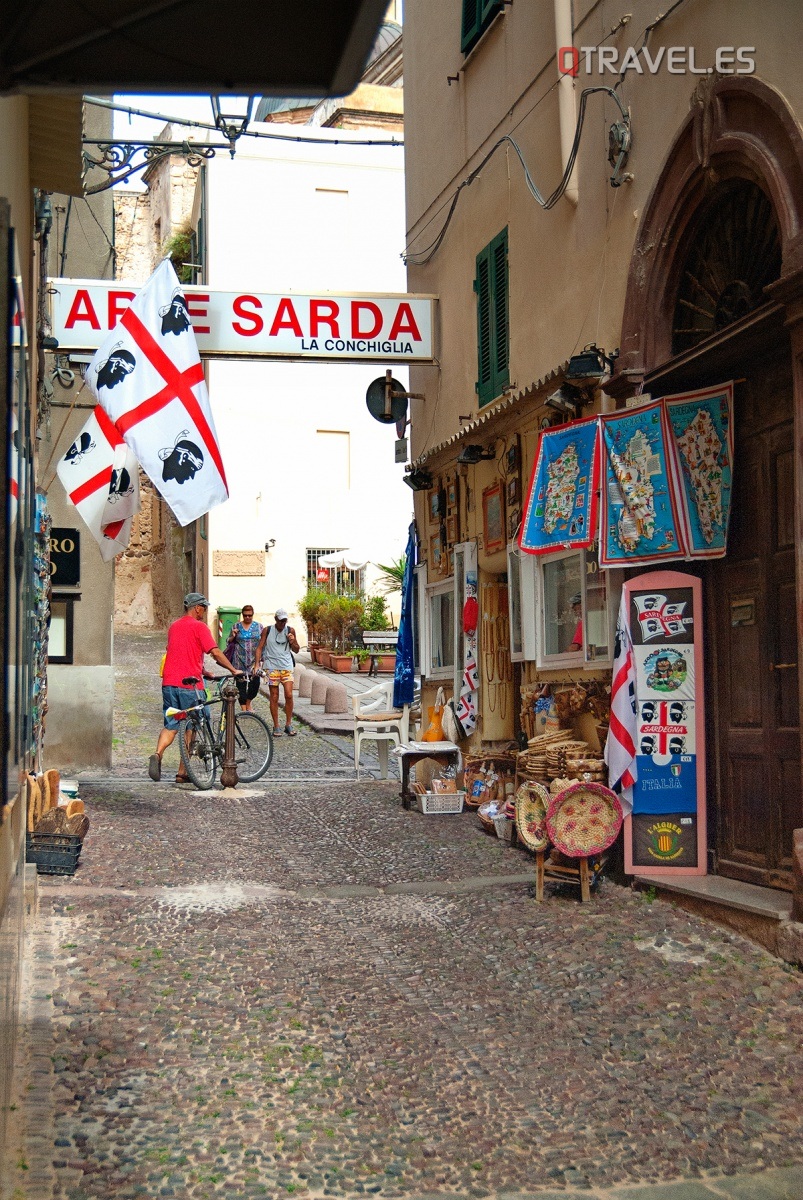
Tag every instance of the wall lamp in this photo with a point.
(269, 545)
(591, 363)
(473, 454)
(567, 400)
(419, 481)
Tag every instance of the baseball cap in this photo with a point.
(281, 614)
(576, 599)
(193, 598)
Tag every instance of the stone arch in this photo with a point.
(737, 127)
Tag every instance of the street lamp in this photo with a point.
(234, 121)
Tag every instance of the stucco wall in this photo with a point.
(83, 697)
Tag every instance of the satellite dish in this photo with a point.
(379, 409)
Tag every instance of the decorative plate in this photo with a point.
(532, 801)
(584, 819)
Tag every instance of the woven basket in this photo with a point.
(584, 820)
(532, 801)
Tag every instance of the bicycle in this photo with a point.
(204, 748)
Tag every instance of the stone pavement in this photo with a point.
(303, 989)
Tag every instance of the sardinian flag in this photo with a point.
(149, 378)
(100, 476)
(620, 745)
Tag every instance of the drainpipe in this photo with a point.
(567, 112)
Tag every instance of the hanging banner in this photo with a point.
(561, 508)
(702, 428)
(666, 832)
(640, 517)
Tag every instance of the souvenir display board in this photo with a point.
(666, 832)
(560, 512)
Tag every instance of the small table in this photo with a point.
(416, 752)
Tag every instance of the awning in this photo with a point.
(352, 560)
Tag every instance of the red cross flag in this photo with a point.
(620, 745)
(149, 378)
(100, 476)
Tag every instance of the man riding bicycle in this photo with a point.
(188, 639)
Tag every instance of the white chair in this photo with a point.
(376, 720)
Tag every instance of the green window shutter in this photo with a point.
(499, 316)
(488, 9)
(470, 27)
(482, 286)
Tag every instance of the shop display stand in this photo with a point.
(443, 753)
(584, 875)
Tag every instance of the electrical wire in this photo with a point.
(253, 133)
(421, 257)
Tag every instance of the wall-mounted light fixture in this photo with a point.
(592, 363)
(269, 545)
(419, 481)
(473, 454)
(567, 400)
(234, 122)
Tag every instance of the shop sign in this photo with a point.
(65, 557)
(327, 326)
(666, 833)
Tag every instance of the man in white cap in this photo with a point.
(188, 639)
(276, 648)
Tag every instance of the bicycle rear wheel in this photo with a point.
(253, 746)
(199, 759)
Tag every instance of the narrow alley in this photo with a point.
(306, 990)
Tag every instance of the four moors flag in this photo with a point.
(148, 377)
(101, 477)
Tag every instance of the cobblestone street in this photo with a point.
(306, 990)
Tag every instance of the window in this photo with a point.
(576, 610)
(60, 633)
(491, 286)
(441, 609)
(477, 16)
(335, 579)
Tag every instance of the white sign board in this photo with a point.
(353, 328)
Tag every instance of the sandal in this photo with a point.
(155, 767)
(183, 779)
(290, 732)
(277, 733)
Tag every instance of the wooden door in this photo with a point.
(753, 664)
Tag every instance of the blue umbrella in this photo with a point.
(404, 675)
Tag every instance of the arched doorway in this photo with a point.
(713, 294)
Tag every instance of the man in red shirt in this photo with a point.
(188, 640)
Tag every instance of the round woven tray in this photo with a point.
(532, 801)
(584, 819)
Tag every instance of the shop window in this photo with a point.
(491, 287)
(576, 610)
(60, 633)
(437, 625)
(521, 593)
(477, 16)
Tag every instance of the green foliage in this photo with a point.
(375, 614)
(178, 248)
(392, 575)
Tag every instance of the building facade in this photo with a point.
(689, 267)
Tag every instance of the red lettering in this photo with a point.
(410, 327)
(197, 298)
(82, 309)
(285, 318)
(376, 313)
(323, 312)
(116, 309)
(240, 310)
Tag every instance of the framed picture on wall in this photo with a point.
(451, 494)
(493, 518)
(436, 552)
(451, 530)
(513, 519)
(513, 490)
(434, 506)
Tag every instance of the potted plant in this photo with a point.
(362, 657)
(310, 607)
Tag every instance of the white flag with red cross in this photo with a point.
(149, 378)
(100, 476)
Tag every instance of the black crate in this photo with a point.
(53, 853)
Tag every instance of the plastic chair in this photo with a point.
(376, 720)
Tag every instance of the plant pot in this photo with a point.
(340, 663)
(324, 657)
(386, 664)
(365, 666)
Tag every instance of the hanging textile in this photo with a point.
(466, 708)
(404, 674)
(620, 745)
(640, 520)
(561, 508)
(702, 442)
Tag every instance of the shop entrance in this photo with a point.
(753, 656)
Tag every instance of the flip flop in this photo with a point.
(183, 779)
(277, 733)
(290, 732)
(155, 767)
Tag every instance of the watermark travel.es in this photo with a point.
(677, 60)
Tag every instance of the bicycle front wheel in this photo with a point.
(199, 757)
(253, 746)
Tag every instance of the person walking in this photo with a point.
(241, 651)
(188, 640)
(276, 648)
